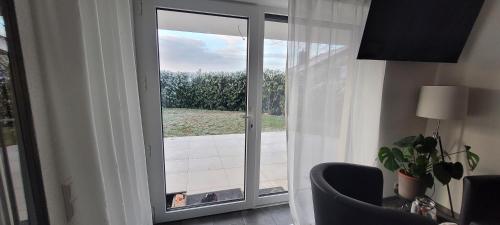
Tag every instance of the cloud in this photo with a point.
(189, 52)
(214, 53)
(274, 54)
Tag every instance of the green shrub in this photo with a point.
(5, 90)
(273, 92)
(220, 90)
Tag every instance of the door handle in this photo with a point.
(249, 119)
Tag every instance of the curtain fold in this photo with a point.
(333, 99)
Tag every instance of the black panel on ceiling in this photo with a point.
(418, 30)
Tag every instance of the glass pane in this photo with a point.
(203, 81)
(11, 176)
(273, 156)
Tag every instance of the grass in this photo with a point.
(197, 122)
(9, 136)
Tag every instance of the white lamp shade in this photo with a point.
(443, 102)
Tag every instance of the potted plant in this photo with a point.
(418, 162)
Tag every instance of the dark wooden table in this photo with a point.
(443, 214)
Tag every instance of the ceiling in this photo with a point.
(199, 23)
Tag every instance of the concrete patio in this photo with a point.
(17, 181)
(200, 164)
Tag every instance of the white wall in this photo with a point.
(479, 69)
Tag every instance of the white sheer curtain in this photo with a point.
(83, 83)
(334, 100)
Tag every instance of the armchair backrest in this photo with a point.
(481, 199)
(348, 194)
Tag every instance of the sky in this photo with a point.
(190, 52)
(2, 27)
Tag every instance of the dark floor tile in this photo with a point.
(274, 215)
(234, 218)
(257, 217)
(195, 221)
(281, 214)
(207, 220)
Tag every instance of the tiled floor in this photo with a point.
(200, 164)
(15, 169)
(274, 215)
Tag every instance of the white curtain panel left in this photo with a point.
(333, 99)
(81, 62)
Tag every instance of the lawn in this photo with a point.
(9, 136)
(197, 122)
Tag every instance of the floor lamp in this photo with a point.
(443, 103)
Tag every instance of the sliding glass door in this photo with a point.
(212, 86)
(22, 197)
(203, 93)
(273, 155)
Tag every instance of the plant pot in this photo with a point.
(410, 187)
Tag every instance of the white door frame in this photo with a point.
(149, 88)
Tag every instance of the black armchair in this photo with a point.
(481, 200)
(347, 194)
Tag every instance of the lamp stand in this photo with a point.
(438, 137)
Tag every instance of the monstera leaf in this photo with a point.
(444, 171)
(472, 158)
(441, 172)
(389, 157)
(457, 170)
(419, 169)
(428, 180)
(427, 145)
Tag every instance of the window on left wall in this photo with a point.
(22, 198)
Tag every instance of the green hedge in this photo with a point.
(5, 91)
(273, 92)
(220, 90)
